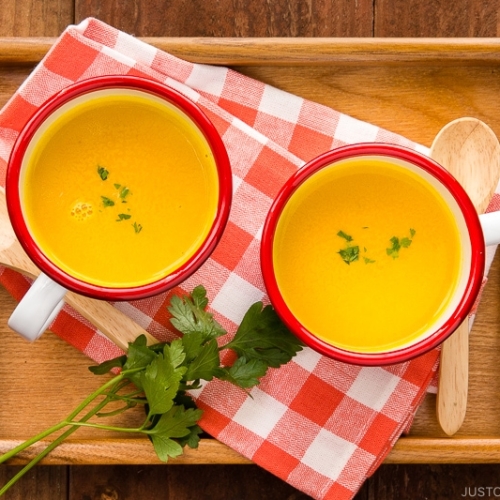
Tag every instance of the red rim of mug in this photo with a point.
(122, 82)
(476, 266)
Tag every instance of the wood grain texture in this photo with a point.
(114, 449)
(435, 18)
(234, 18)
(307, 52)
(35, 17)
(40, 483)
(219, 482)
(432, 482)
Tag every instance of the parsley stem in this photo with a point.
(56, 441)
(31, 441)
(26, 444)
(81, 423)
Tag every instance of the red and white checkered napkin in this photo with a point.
(320, 425)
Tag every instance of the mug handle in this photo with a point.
(38, 308)
(490, 223)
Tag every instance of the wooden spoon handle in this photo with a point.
(451, 404)
(115, 325)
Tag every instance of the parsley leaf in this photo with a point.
(124, 192)
(405, 242)
(103, 173)
(160, 381)
(176, 423)
(393, 250)
(205, 364)
(262, 335)
(245, 373)
(189, 315)
(349, 254)
(107, 202)
(346, 237)
(397, 244)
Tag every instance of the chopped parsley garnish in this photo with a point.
(350, 253)
(346, 237)
(122, 195)
(107, 202)
(103, 173)
(397, 244)
(124, 192)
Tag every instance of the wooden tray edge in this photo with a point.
(291, 51)
(137, 451)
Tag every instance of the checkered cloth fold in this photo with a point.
(320, 425)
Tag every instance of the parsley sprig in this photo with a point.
(159, 377)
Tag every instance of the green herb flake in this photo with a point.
(346, 237)
(368, 261)
(349, 254)
(125, 191)
(405, 242)
(117, 186)
(107, 202)
(103, 173)
(397, 244)
(137, 227)
(123, 217)
(393, 250)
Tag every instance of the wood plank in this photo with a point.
(293, 52)
(136, 451)
(410, 482)
(40, 483)
(235, 18)
(35, 18)
(416, 18)
(180, 482)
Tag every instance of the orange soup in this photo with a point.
(366, 255)
(120, 190)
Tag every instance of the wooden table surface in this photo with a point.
(256, 18)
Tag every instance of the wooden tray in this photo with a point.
(410, 86)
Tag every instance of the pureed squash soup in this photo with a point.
(367, 255)
(119, 189)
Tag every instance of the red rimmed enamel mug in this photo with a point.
(373, 254)
(118, 188)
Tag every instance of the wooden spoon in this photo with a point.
(470, 151)
(118, 327)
